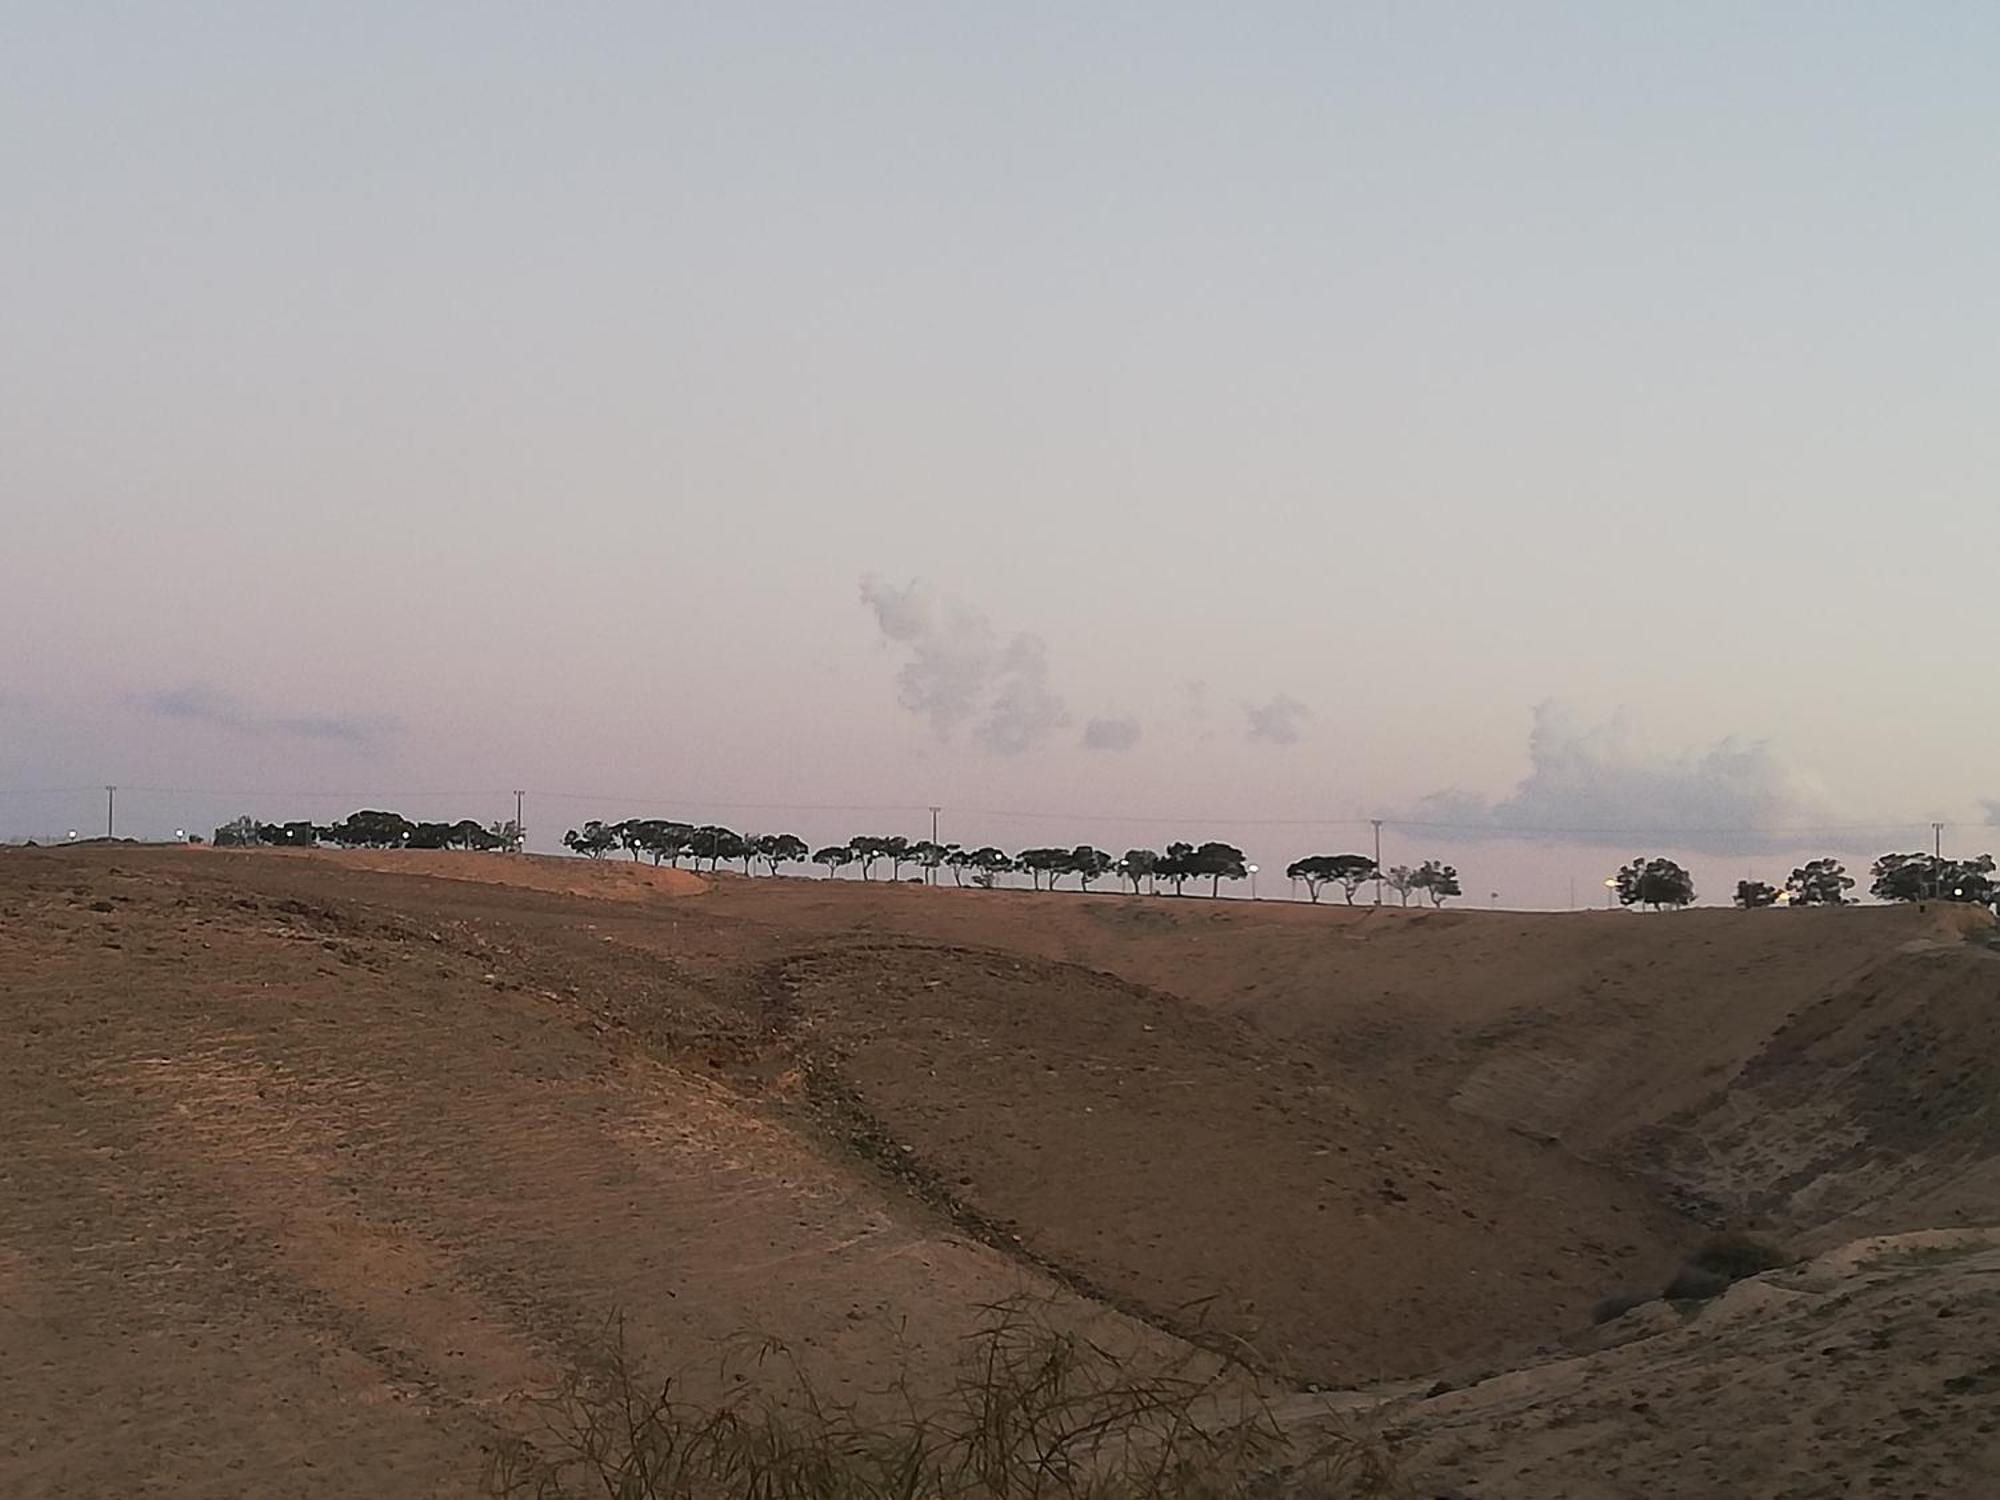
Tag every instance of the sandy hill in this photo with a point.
(321, 1161)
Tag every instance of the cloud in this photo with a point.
(1280, 721)
(1603, 785)
(201, 704)
(1111, 734)
(961, 672)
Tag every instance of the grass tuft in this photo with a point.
(1032, 1412)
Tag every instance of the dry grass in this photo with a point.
(1033, 1412)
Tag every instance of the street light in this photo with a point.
(1253, 882)
(1610, 885)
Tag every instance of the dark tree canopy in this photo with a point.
(1819, 882)
(866, 849)
(986, 865)
(776, 849)
(1926, 877)
(1138, 865)
(1088, 864)
(1219, 862)
(1052, 863)
(1349, 871)
(593, 841)
(1655, 883)
(1437, 880)
(833, 856)
(1752, 894)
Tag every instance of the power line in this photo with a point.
(1482, 830)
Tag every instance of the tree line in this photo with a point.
(665, 841)
(1662, 883)
(1656, 882)
(668, 842)
(370, 829)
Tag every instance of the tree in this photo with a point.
(1926, 877)
(715, 843)
(469, 833)
(370, 829)
(1177, 864)
(1219, 862)
(658, 837)
(1819, 882)
(1039, 862)
(833, 856)
(987, 864)
(593, 842)
(299, 835)
(1438, 881)
(927, 855)
(430, 836)
(1655, 883)
(780, 849)
(1402, 880)
(1088, 863)
(506, 836)
(1970, 880)
(867, 848)
(239, 833)
(1753, 894)
(1315, 870)
(896, 849)
(1349, 871)
(1137, 865)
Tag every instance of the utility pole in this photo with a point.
(930, 873)
(520, 833)
(110, 810)
(1378, 859)
(1937, 841)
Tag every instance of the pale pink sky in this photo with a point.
(1581, 410)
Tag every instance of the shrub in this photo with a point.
(1692, 1284)
(1720, 1262)
(1618, 1305)
(1738, 1255)
(1032, 1410)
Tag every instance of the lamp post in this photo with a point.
(1253, 882)
(1610, 886)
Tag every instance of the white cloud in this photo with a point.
(202, 704)
(1279, 721)
(1603, 784)
(962, 672)
(1111, 734)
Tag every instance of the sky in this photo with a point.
(1562, 431)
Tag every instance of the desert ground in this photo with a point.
(316, 1167)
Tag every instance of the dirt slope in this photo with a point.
(1873, 1108)
(310, 1165)
(1874, 1370)
(294, 1199)
(1676, 1047)
(1182, 1164)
